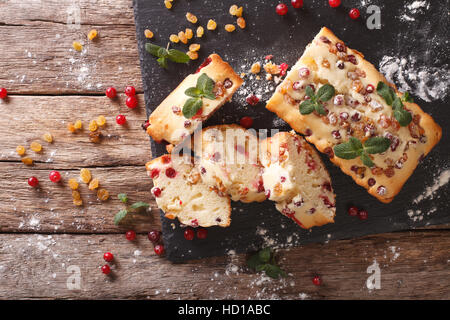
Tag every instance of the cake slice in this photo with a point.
(180, 193)
(180, 114)
(228, 161)
(296, 179)
(382, 136)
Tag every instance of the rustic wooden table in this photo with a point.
(46, 242)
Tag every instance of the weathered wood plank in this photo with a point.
(27, 118)
(50, 209)
(36, 266)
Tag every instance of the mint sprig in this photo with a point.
(134, 208)
(354, 148)
(164, 54)
(325, 93)
(203, 89)
(264, 260)
(403, 116)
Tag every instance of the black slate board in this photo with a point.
(259, 224)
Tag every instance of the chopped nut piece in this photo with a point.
(191, 18)
(200, 31)
(148, 33)
(93, 126)
(101, 121)
(174, 38)
(36, 146)
(20, 150)
(95, 136)
(27, 161)
(93, 184)
(182, 37)
(47, 137)
(103, 194)
(256, 68)
(85, 175)
(77, 46)
(192, 55)
(92, 34)
(189, 33)
(230, 27)
(73, 184)
(241, 22)
(272, 68)
(78, 124)
(194, 47)
(212, 25)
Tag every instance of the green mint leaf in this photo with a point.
(191, 107)
(264, 255)
(356, 144)
(319, 108)
(348, 150)
(139, 205)
(209, 95)
(162, 62)
(406, 97)
(376, 145)
(123, 197)
(271, 270)
(306, 107)
(366, 160)
(120, 216)
(402, 116)
(397, 103)
(254, 261)
(193, 92)
(153, 49)
(162, 52)
(386, 92)
(325, 92)
(205, 84)
(310, 93)
(177, 56)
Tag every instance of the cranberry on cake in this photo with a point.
(195, 99)
(180, 193)
(349, 111)
(296, 179)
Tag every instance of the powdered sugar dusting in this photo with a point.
(414, 9)
(430, 192)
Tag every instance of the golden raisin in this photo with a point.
(200, 31)
(48, 137)
(233, 9)
(256, 68)
(174, 38)
(36, 146)
(95, 136)
(212, 25)
(93, 184)
(77, 46)
(148, 34)
(230, 27)
(71, 127)
(93, 125)
(191, 18)
(78, 124)
(239, 12)
(20, 150)
(194, 47)
(192, 55)
(73, 184)
(78, 202)
(92, 34)
(182, 37)
(27, 161)
(101, 121)
(168, 4)
(76, 195)
(103, 194)
(241, 22)
(189, 33)
(85, 175)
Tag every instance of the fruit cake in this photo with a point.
(180, 192)
(295, 177)
(195, 99)
(349, 111)
(228, 160)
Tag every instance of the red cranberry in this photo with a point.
(130, 235)
(176, 109)
(267, 193)
(353, 211)
(227, 83)
(281, 9)
(130, 91)
(252, 100)
(316, 280)
(33, 181)
(336, 134)
(121, 119)
(268, 57)
(312, 210)
(282, 179)
(354, 13)
(334, 3)
(202, 170)
(159, 249)
(131, 102)
(154, 173)
(352, 59)
(246, 122)
(3, 93)
(108, 257)
(54, 176)
(303, 73)
(204, 64)
(371, 182)
(165, 159)
(171, 173)
(327, 186)
(187, 123)
(340, 64)
(154, 236)
(283, 69)
(261, 186)
(370, 88)
(356, 117)
(202, 233)
(343, 115)
(297, 3)
(106, 269)
(354, 168)
(156, 192)
(325, 39)
(111, 92)
(308, 132)
(363, 214)
(340, 46)
(298, 203)
(145, 125)
(381, 190)
(189, 234)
